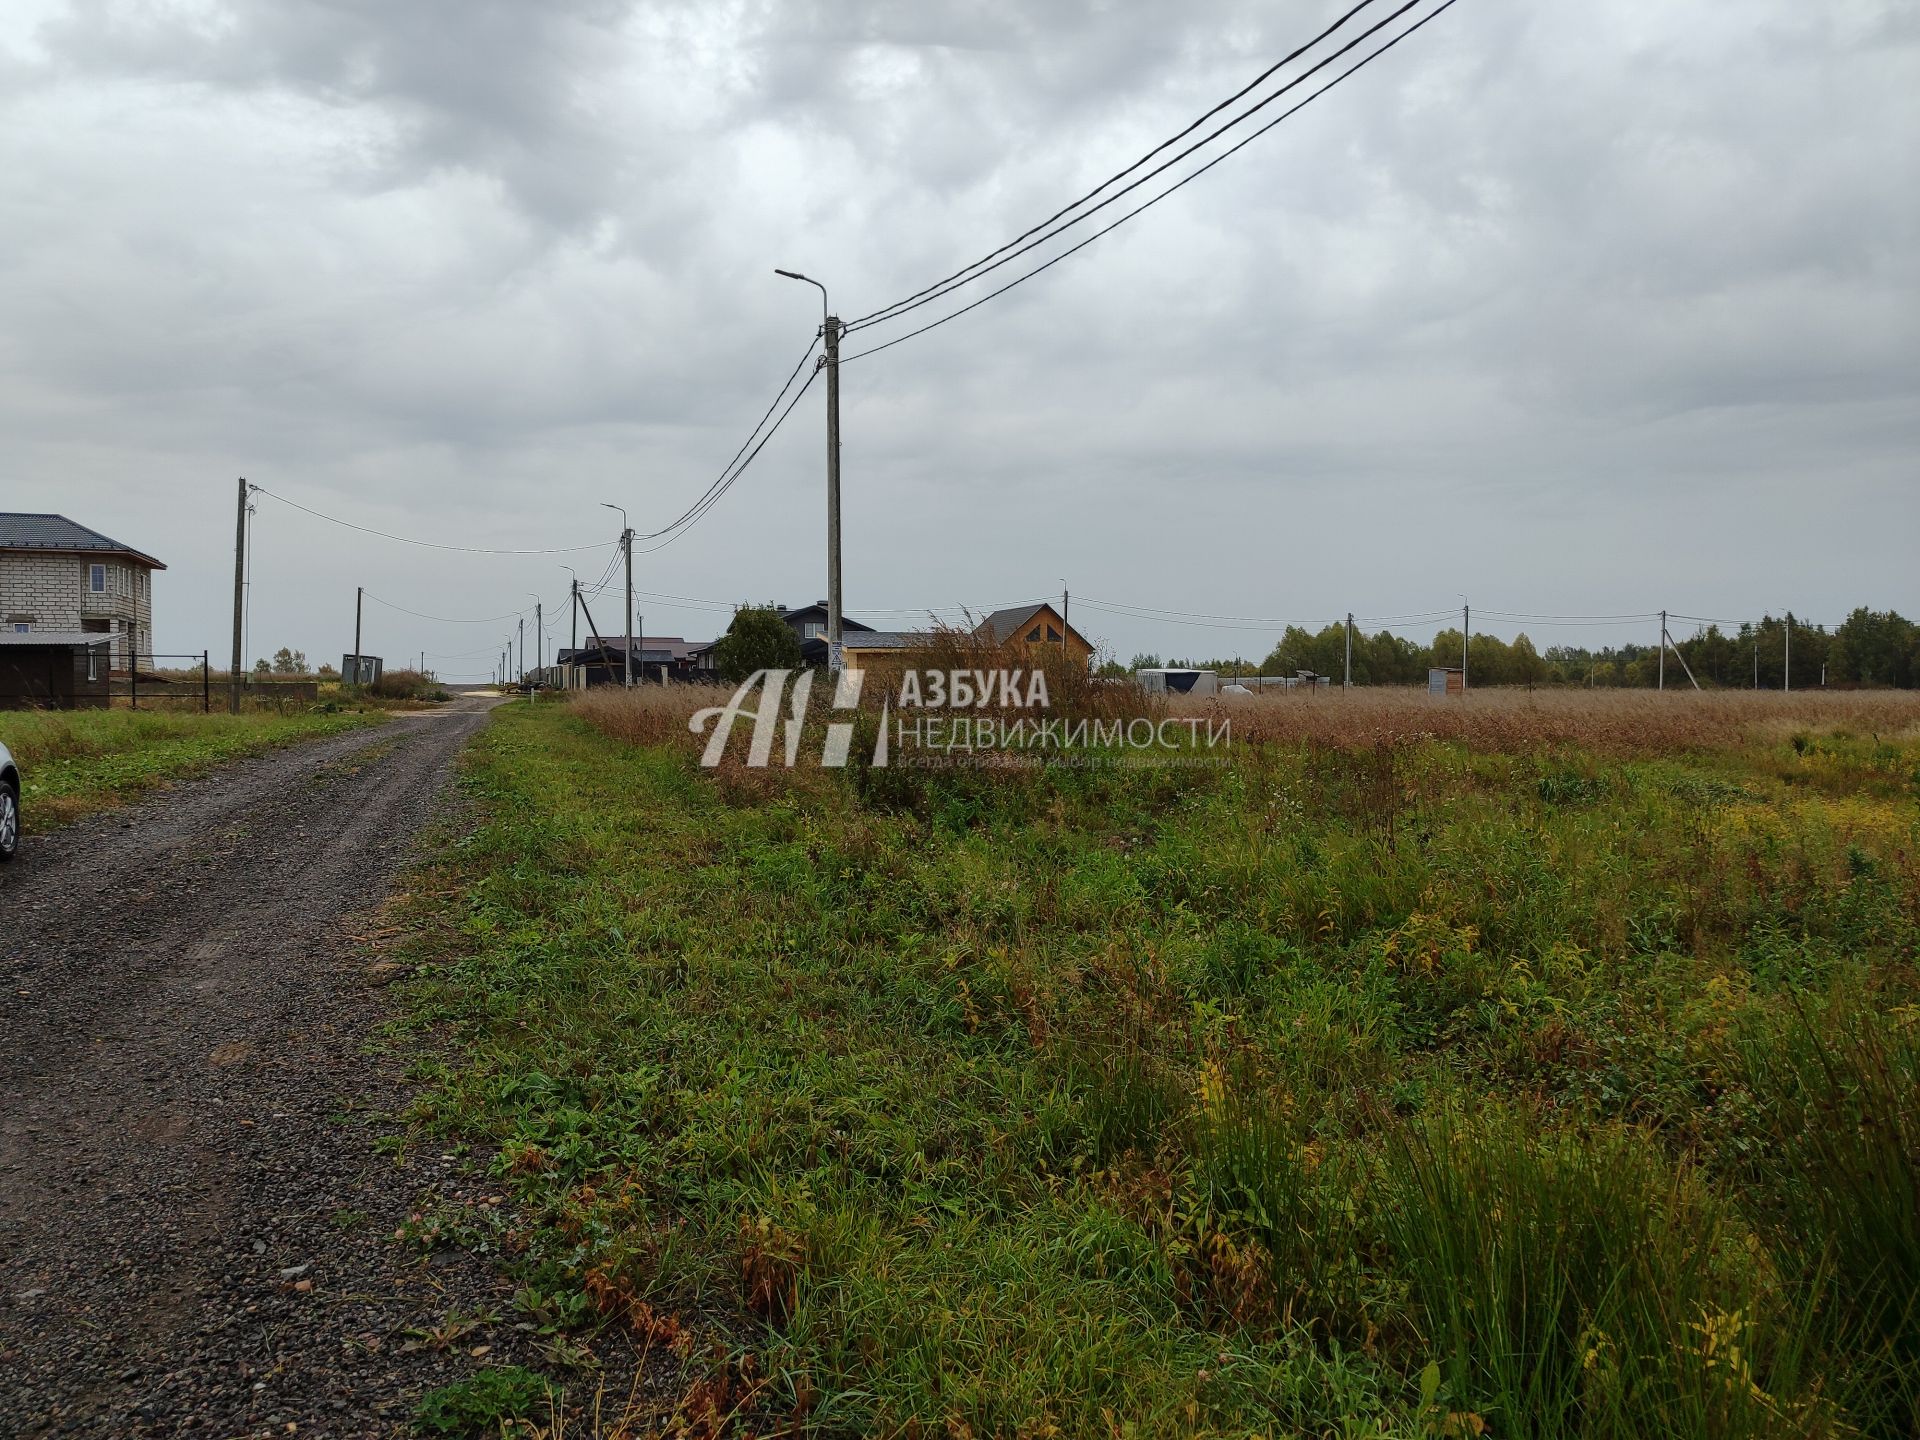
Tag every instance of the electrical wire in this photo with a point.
(720, 487)
(429, 544)
(1155, 200)
(885, 312)
(729, 473)
(443, 619)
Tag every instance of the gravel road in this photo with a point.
(195, 1227)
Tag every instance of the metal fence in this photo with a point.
(162, 691)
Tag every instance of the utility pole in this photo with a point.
(1466, 639)
(239, 591)
(1347, 682)
(1786, 664)
(521, 668)
(539, 633)
(1756, 658)
(830, 328)
(1663, 651)
(626, 539)
(573, 615)
(359, 595)
(1065, 596)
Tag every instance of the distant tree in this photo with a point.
(758, 639)
(261, 667)
(327, 672)
(1144, 662)
(289, 662)
(1524, 662)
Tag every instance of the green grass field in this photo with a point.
(78, 761)
(1408, 1088)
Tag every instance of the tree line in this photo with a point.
(1875, 648)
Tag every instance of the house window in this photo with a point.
(1052, 634)
(1034, 633)
(20, 629)
(97, 579)
(811, 630)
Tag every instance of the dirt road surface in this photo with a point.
(195, 1227)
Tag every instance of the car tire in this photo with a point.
(9, 822)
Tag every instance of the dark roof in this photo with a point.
(891, 640)
(652, 647)
(818, 611)
(28, 531)
(1003, 625)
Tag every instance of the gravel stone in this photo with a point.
(186, 1018)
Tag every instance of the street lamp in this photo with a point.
(830, 328)
(626, 626)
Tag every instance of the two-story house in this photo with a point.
(56, 574)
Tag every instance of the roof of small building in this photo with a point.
(1003, 625)
(888, 640)
(57, 639)
(34, 531)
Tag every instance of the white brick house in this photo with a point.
(59, 575)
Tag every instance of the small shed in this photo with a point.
(54, 670)
(1446, 680)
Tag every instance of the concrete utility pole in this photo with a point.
(1466, 639)
(359, 595)
(239, 593)
(830, 329)
(1663, 651)
(521, 669)
(539, 637)
(1786, 664)
(626, 623)
(1065, 596)
(1347, 683)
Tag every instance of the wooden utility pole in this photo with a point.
(1663, 651)
(239, 594)
(1065, 596)
(1786, 662)
(1347, 683)
(359, 597)
(1466, 639)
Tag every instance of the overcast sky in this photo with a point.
(1579, 309)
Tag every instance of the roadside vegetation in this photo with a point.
(1427, 1069)
(75, 762)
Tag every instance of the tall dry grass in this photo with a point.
(1615, 721)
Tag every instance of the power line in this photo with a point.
(443, 619)
(720, 487)
(729, 473)
(428, 544)
(886, 311)
(1155, 200)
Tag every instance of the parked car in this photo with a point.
(9, 805)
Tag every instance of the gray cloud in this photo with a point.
(1577, 309)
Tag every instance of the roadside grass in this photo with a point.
(74, 762)
(1404, 1088)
